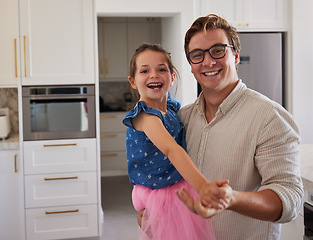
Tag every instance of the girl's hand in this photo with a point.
(216, 194)
(195, 205)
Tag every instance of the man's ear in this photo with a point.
(132, 82)
(237, 58)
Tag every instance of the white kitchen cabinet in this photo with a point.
(9, 43)
(11, 200)
(249, 15)
(113, 144)
(61, 189)
(112, 39)
(57, 40)
(74, 221)
(118, 39)
(141, 30)
(59, 156)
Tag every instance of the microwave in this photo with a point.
(58, 112)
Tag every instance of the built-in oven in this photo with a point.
(308, 216)
(58, 112)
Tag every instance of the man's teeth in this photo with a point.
(211, 73)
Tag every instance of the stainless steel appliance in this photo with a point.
(308, 216)
(260, 66)
(58, 112)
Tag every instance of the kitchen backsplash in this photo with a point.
(9, 99)
(115, 96)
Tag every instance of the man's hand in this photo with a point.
(216, 194)
(195, 205)
(139, 217)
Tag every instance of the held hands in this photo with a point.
(214, 199)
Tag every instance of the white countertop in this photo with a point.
(12, 143)
(306, 166)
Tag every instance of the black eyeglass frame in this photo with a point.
(208, 50)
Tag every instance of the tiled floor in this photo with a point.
(120, 217)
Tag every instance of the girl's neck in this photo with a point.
(160, 104)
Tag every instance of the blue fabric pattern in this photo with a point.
(147, 165)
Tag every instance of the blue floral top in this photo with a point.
(147, 165)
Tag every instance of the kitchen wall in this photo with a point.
(8, 99)
(302, 67)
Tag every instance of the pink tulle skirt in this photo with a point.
(166, 217)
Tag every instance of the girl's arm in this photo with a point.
(153, 127)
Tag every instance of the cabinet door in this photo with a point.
(57, 41)
(137, 33)
(11, 203)
(249, 15)
(231, 10)
(62, 222)
(115, 49)
(60, 156)
(60, 189)
(263, 15)
(9, 43)
(112, 122)
(113, 163)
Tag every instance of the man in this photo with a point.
(235, 133)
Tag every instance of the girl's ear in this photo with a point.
(172, 79)
(132, 82)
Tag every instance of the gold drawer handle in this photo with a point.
(108, 154)
(59, 145)
(108, 136)
(25, 65)
(15, 164)
(101, 66)
(61, 178)
(107, 116)
(15, 57)
(107, 66)
(58, 212)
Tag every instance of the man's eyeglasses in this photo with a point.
(217, 51)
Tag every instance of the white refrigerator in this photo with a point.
(261, 63)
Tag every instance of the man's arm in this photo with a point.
(264, 205)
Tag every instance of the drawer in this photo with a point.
(60, 156)
(62, 222)
(112, 122)
(113, 142)
(60, 189)
(114, 161)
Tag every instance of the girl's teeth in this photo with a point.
(154, 85)
(210, 73)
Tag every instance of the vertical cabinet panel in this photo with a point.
(61, 222)
(9, 43)
(11, 201)
(57, 42)
(115, 48)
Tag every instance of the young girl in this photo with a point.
(156, 157)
